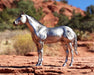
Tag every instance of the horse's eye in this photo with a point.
(19, 16)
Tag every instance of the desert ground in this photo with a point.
(52, 65)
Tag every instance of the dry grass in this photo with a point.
(20, 42)
(6, 47)
(24, 44)
(90, 47)
(7, 41)
(52, 49)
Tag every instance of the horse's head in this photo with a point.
(20, 20)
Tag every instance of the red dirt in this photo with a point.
(25, 65)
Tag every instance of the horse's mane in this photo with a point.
(34, 19)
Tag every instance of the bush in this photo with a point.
(64, 1)
(83, 36)
(24, 44)
(55, 3)
(90, 47)
(63, 20)
(7, 16)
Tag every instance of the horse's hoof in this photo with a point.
(38, 64)
(64, 65)
(76, 53)
(70, 65)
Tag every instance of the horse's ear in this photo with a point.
(22, 12)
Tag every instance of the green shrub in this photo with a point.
(63, 20)
(7, 16)
(23, 44)
(55, 3)
(84, 36)
(64, 1)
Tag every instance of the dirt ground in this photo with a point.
(52, 65)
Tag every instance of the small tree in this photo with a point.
(63, 20)
(62, 10)
(64, 1)
(90, 9)
(55, 3)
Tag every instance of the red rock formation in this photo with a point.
(48, 8)
(6, 3)
(49, 20)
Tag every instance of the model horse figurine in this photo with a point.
(42, 35)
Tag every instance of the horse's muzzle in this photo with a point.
(14, 23)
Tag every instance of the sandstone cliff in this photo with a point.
(48, 8)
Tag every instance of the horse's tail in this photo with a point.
(75, 45)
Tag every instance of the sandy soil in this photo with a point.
(52, 65)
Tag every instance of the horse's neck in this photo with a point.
(33, 32)
(30, 27)
(36, 25)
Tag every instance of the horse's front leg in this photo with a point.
(40, 53)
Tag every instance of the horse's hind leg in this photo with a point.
(67, 53)
(70, 46)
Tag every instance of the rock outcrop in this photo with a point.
(6, 4)
(48, 7)
(22, 65)
(51, 6)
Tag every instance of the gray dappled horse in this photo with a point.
(42, 35)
